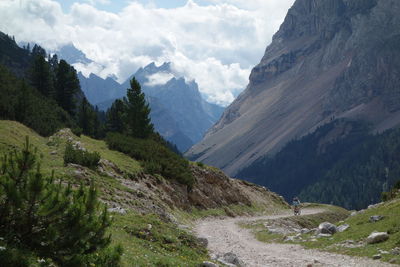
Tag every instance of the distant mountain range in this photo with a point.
(179, 113)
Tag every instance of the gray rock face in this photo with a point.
(329, 59)
(327, 228)
(377, 237)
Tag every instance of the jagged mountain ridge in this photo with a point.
(329, 59)
(179, 113)
(182, 98)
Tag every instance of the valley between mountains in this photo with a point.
(94, 173)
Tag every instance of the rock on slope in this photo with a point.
(329, 59)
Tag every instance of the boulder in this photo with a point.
(377, 237)
(208, 264)
(395, 251)
(377, 257)
(342, 228)
(327, 228)
(375, 218)
(231, 259)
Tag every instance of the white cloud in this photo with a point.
(102, 2)
(217, 45)
(160, 78)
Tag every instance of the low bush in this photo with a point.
(155, 157)
(392, 193)
(81, 157)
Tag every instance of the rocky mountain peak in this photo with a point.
(329, 59)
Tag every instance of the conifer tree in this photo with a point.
(41, 76)
(67, 85)
(115, 117)
(37, 50)
(137, 112)
(86, 117)
(48, 219)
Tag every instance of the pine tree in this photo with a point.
(49, 219)
(115, 117)
(41, 76)
(37, 50)
(67, 85)
(137, 112)
(86, 117)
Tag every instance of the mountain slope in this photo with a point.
(329, 59)
(98, 90)
(179, 113)
(340, 163)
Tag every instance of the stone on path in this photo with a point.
(377, 257)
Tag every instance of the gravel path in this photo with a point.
(224, 235)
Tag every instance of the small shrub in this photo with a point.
(393, 192)
(81, 157)
(155, 157)
(200, 164)
(77, 131)
(152, 167)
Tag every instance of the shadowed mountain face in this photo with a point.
(72, 55)
(179, 113)
(193, 115)
(329, 59)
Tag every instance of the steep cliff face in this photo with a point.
(329, 59)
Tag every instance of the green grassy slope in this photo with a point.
(361, 228)
(163, 245)
(351, 241)
(13, 134)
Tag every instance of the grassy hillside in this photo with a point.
(148, 230)
(351, 241)
(163, 245)
(361, 228)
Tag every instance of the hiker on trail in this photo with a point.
(296, 206)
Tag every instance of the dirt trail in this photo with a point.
(224, 235)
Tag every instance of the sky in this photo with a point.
(214, 42)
